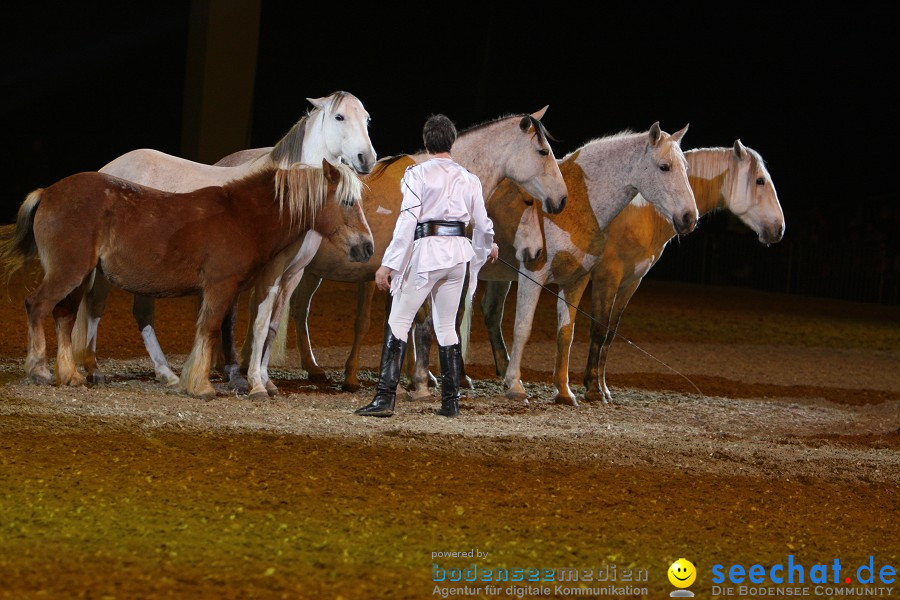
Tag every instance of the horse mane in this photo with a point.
(382, 164)
(289, 148)
(604, 139)
(304, 189)
(539, 128)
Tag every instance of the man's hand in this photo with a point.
(383, 278)
(495, 252)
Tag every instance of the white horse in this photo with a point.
(733, 178)
(336, 129)
(515, 147)
(602, 177)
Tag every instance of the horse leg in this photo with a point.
(232, 368)
(300, 301)
(262, 298)
(364, 293)
(492, 302)
(421, 379)
(526, 303)
(87, 322)
(565, 329)
(64, 315)
(605, 290)
(217, 301)
(144, 309)
(622, 299)
(53, 290)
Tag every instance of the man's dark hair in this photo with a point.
(439, 133)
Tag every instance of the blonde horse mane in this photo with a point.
(302, 190)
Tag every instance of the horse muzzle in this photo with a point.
(362, 252)
(554, 208)
(685, 223)
(771, 234)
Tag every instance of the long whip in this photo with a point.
(591, 317)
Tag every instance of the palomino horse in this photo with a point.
(514, 147)
(155, 243)
(602, 177)
(735, 178)
(336, 129)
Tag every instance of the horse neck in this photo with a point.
(607, 165)
(477, 151)
(708, 173)
(304, 143)
(254, 202)
(314, 147)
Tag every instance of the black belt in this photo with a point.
(440, 228)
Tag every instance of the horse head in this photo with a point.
(531, 163)
(661, 178)
(344, 127)
(750, 194)
(340, 219)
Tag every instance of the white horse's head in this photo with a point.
(750, 194)
(530, 162)
(344, 127)
(661, 178)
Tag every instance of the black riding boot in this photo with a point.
(386, 388)
(451, 365)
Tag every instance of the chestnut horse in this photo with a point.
(211, 242)
(515, 147)
(335, 129)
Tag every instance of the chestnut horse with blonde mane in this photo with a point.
(335, 129)
(210, 242)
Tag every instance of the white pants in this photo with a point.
(445, 288)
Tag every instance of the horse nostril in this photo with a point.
(562, 203)
(370, 249)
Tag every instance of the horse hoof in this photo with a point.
(239, 384)
(517, 395)
(565, 400)
(41, 377)
(259, 396)
(317, 377)
(419, 393)
(272, 389)
(76, 379)
(168, 378)
(205, 394)
(349, 386)
(594, 396)
(97, 378)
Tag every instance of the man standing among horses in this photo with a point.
(427, 256)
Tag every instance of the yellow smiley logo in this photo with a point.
(682, 573)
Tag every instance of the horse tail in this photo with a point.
(278, 351)
(17, 243)
(82, 318)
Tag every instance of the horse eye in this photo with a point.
(664, 167)
(339, 117)
(543, 152)
(760, 181)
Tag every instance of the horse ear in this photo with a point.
(739, 150)
(318, 102)
(680, 133)
(539, 114)
(655, 134)
(331, 172)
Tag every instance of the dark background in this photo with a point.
(811, 89)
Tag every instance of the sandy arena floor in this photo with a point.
(133, 490)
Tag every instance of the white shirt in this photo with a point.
(439, 189)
